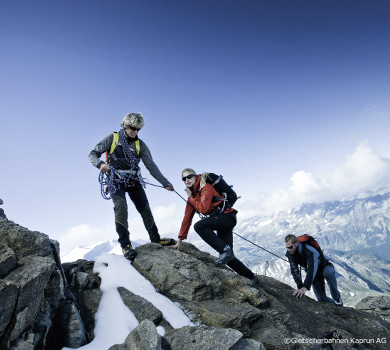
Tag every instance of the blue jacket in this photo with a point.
(310, 260)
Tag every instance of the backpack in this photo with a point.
(222, 187)
(310, 240)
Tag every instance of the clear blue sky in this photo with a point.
(255, 90)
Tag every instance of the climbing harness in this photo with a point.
(112, 180)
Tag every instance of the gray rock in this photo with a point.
(7, 260)
(143, 337)
(68, 330)
(2, 214)
(202, 338)
(31, 287)
(8, 297)
(31, 280)
(23, 241)
(89, 301)
(192, 279)
(84, 285)
(248, 344)
(140, 307)
(80, 275)
(268, 315)
(379, 306)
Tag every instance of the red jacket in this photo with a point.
(202, 201)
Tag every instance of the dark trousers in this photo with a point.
(329, 274)
(138, 197)
(218, 233)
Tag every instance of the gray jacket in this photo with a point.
(145, 155)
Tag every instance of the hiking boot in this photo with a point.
(339, 302)
(225, 257)
(167, 242)
(255, 281)
(128, 252)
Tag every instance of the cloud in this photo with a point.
(362, 170)
(167, 219)
(85, 234)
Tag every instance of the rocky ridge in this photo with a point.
(46, 305)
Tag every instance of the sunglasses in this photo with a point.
(134, 129)
(290, 247)
(188, 177)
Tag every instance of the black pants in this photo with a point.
(223, 224)
(138, 196)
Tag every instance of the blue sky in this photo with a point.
(289, 100)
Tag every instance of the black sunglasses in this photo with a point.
(188, 177)
(134, 129)
(290, 247)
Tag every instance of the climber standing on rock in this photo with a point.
(216, 229)
(125, 150)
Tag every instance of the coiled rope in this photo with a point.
(111, 181)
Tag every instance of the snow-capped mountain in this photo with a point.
(345, 225)
(91, 252)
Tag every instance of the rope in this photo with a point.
(144, 182)
(130, 157)
(260, 247)
(204, 216)
(111, 181)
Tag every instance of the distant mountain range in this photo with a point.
(354, 234)
(361, 223)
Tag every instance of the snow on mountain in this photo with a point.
(112, 327)
(91, 252)
(345, 225)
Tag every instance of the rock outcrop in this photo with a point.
(2, 214)
(269, 315)
(45, 305)
(379, 306)
(37, 307)
(31, 286)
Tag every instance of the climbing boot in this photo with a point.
(128, 252)
(339, 302)
(225, 257)
(167, 241)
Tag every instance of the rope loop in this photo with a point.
(111, 181)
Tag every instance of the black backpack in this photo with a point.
(222, 187)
